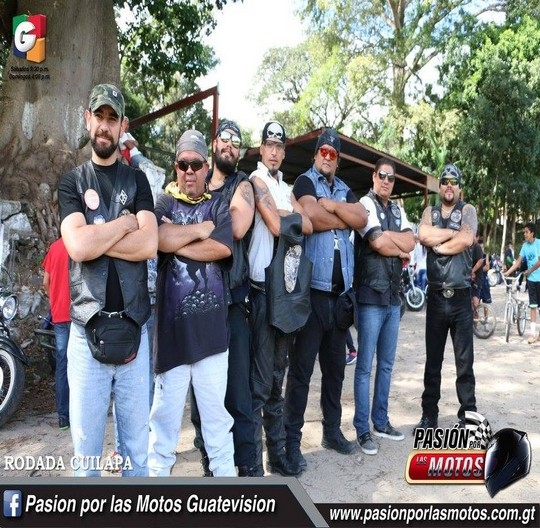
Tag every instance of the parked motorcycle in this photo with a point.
(495, 274)
(12, 359)
(413, 296)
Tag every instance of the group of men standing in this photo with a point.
(216, 232)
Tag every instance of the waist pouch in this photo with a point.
(345, 309)
(113, 340)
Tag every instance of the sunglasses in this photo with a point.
(225, 136)
(383, 174)
(195, 165)
(331, 153)
(449, 181)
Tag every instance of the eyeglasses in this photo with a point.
(331, 153)
(225, 136)
(272, 144)
(449, 181)
(383, 174)
(195, 164)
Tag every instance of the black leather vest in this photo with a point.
(375, 270)
(88, 280)
(449, 271)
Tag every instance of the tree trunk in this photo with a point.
(42, 130)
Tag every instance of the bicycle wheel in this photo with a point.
(508, 316)
(485, 321)
(521, 318)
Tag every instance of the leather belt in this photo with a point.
(113, 314)
(448, 293)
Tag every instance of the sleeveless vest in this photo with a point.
(373, 269)
(88, 280)
(449, 271)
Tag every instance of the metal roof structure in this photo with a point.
(357, 161)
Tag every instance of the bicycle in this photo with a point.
(515, 310)
(484, 320)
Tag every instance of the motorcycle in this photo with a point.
(12, 359)
(495, 274)
(413, 296)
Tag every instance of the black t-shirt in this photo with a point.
(70, 202)
(303, 186)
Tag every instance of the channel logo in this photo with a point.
(12, 503)
(29, 37)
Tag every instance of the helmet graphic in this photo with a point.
(508, 458)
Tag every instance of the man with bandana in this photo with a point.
(109, 230)
(191, 335)
(269, 352)
(236, 189)
(448, 230)
(382, 247)
(334, 211)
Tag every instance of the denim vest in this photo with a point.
(88, 280)
(320, 245)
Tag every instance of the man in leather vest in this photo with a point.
(334, 211)
(382, 247)
(110, 230)
(234, 186)
(448, 231)
(269, 347)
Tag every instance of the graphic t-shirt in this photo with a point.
(191, 307)
(530, 254)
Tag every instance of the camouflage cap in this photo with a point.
(107, 94)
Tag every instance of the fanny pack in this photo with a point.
(113, 338)
(345, 309)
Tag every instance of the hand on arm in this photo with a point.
(354, 215)
(321, 218)
(140, 244)
(208, 250)
(174, 237)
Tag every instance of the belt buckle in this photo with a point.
(448, 293)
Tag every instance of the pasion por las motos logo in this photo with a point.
(29, 33)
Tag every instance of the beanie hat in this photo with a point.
(192, 140)
(329, 137)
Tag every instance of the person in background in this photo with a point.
(419, 260)
(383, 247)
(334, 211)
(56, 285)
(269, 346)
(351, 351)
(509, 256)
(110, 230)
(529, 255)
(191, 334)
(448, 231)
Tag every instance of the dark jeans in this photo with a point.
(269, 352)
(238, 396)
(61, 334)
(320, 336)
(454, 315)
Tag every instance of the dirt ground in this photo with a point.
(507, 377)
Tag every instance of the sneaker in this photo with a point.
(351, 357)
(338, 443)
(63, 423)
(367, 445)
(532, 339)
(389, 432)
(426, 422)
(296, 458)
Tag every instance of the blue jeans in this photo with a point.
(378, 328)
(61, 334)
(91, 386)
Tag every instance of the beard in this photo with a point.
(102, 151)
(273, 172)
(225, 165)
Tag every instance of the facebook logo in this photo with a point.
(12, 503)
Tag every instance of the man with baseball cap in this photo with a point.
(269, 347)
(191, 334)
(109, 230)
(447, 230)
(334, 211)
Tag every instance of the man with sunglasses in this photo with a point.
(448, 230)
(274, 200)
(235, 188)
(334, 211)
(385, 242)
(191, 334)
